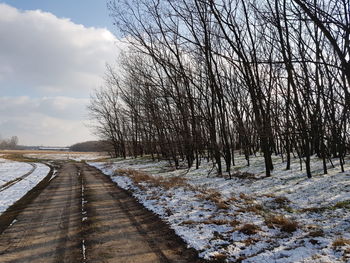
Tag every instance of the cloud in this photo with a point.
(51, 55)
(44, 121)
(49, 66)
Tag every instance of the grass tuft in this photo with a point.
(219, 258)
(341, 242)
(281, 200)
(285, 224)
(249, 229)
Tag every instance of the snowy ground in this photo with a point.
(67, 156)
(284, 218)
(10, 170)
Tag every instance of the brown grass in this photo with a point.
(245, 196)
(341, 242)
(219, 257)
(244, 175)
(189, 222)
(215, 197)
(216, 222)
(316, 233)
(249, 229)
(171, 182)
(250, 241)
(255, 208)
(140, 177)
(281, 200)
(234, 223)
(285, 224)
(313, 209)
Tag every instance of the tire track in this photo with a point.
(18, 179)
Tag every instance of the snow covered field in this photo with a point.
(10, 170)
(284, 218)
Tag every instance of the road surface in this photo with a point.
(81, 216)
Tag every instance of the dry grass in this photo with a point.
(17, 157)
(341, 242)
(339, 205)
(171, 182)
(316, 232)
(189, 222)
(342, 204)
(219, 257)
(141, 177)
(37, 151)
(233, 198)
(281, 200)
(213, 221)
(176, 181)
(254, 208)
(285, 224)
(249, 229)
(244, 175)
(245, 197)
(216, 222)
(234, 223)
(250, 241)
(215, 197)
(312, 210)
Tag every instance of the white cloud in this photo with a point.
(48, 68)
(44, 121)
(50, 54)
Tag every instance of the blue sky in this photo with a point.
(87, 12)
(53, 56)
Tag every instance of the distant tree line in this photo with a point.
(9, 144)
(205, 79)
(92, 146)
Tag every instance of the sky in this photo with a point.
(52, 57)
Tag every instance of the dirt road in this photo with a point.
(81, 216)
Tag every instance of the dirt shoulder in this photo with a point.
(119, 229)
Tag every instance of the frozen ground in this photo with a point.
(10, 170)
(284, 218)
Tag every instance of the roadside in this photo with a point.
(119, 229)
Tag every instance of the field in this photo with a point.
(30, 155)
(18, 178)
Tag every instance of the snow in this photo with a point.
(208, 211)
(10, 169)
